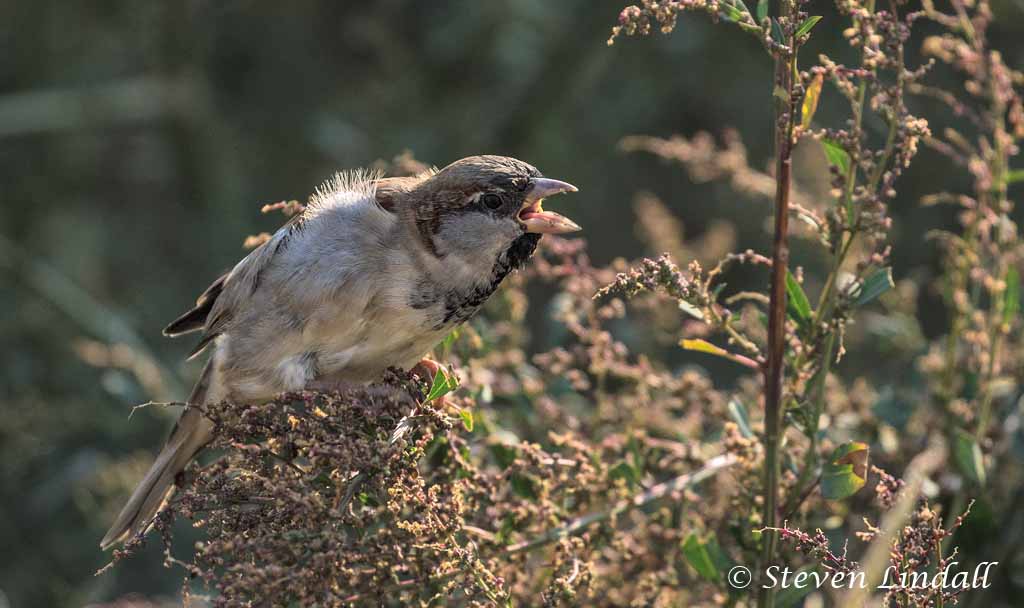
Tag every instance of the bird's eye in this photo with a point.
(490, 201)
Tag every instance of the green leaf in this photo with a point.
(762, 10)
(734, 10)
(874, 286)
(780, 94)
(731, 13)
(626, 471)
(523, 487)
(1011, 299)
(504, 454)
(702, 346)
(846, 471)
(807, 25)
(691, 310)
(633, 445)
(443, 384)
(706, 347)
(836, 155)
(467, 419)
(798, 307)
(697, 555)
(777, 34)
(738, 412)
(810, 105)
(1017, 175)
(504, 533)
(967, 455)
(718, 556)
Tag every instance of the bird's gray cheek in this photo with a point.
(472, 235)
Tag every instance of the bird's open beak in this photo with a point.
(534, 218)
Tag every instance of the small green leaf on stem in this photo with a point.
(1011, 298)
(467, 419)
(967, 454)
(624, 470)
(443, 384)
(780, 95)
(846, 471)
(777, 34)
(706, 347)
(798, 307)
(691, 310)
(806, 26)
(738, 412)
(504, 454)
(703, 346)
(874, 286)
(734, 10)
(762, 10)
(1014, 176)
(836, 155)
(697, 554)
(523, 486)
(810, 105)
(508, 526)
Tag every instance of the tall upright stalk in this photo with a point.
(773, 370)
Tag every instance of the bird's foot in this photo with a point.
(428, 369)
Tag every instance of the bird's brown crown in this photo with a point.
(450, 188)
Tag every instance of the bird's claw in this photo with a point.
(428, 369)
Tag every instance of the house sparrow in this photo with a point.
(372, 274)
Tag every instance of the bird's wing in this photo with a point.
(195, 319)
(347, 201)
(217, 306)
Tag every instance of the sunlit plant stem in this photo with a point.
(785, 65)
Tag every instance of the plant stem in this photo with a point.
(991, 371)
(992, 199)
(815, 394)
(773, 371)
(997, 198)
(816, 391)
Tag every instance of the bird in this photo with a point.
(372, 274)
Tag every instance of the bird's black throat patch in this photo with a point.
(461, 304)
(519, 252)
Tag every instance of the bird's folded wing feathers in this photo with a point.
(195, 319)
(345, 203)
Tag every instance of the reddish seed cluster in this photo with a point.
(816, 546)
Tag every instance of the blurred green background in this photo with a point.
(139, 139)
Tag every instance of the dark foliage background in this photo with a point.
(139, 139)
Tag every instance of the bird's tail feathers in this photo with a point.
(193, 431)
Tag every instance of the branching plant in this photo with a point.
(576, 476)
(972, 369)
(803, 342)
(981, 281)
